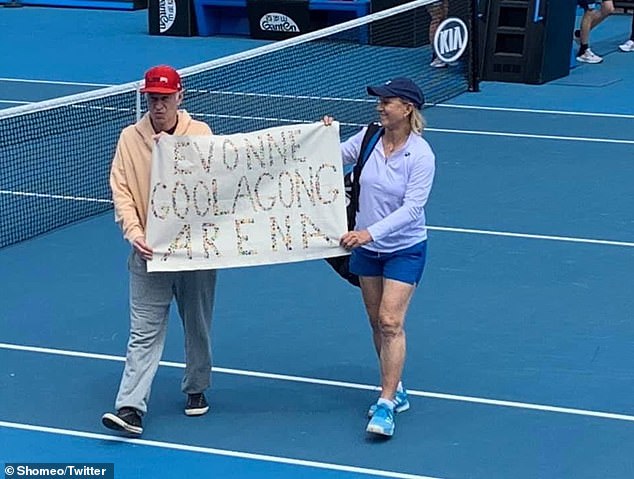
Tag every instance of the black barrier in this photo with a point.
(527, 41)
(172, 18)
(278, 19)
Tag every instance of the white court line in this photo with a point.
(214, 451)
(450, 229)
(530, 135)
(16, 102)
(441, 105)
(54, 197)
(437, 130)
(529, 110)
(54, 82)
(359, 100)
(340, 384)
(532, 236)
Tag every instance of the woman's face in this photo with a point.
(393, 111)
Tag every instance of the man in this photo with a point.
(151, 293)
(591, 18)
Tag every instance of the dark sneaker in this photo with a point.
(196, 405)
(127, 419)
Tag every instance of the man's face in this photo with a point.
(163, 109)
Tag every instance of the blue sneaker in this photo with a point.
(401, 403)
(382, 421)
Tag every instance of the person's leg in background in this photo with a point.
(438, 12)
(591, 18)
(628, 46)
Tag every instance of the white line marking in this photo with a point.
(54, 82)
(437, 130)
(15, 102)
(530, 135)
(214, 451)
(340, 384)
(528, 110)
(532, 236)
(54, 197)
(283, 95)
(440, 105)
(450, 229)
(523, 405)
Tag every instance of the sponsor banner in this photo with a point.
(278, 22)
(167, 14)
(278, 19)
(171, 17)
(451, 39)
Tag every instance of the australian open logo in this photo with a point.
(167, 14)
(451, 39)
(278, 22)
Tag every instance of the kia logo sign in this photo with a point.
(167, 14)
(278, 22)
(451, 40)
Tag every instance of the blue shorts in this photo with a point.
(405, 265)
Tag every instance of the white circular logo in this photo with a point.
(167, 14)
(451, 39)
(278, 22)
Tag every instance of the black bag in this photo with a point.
(341, 264)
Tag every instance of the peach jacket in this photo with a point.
(131, 168)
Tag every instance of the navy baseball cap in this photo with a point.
(402, 88)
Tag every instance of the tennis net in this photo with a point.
(55, 156)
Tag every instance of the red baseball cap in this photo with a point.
(162, 79)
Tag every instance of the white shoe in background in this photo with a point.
(589, 57)
(437, 63)
(628, 46)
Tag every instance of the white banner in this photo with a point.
(270, 196)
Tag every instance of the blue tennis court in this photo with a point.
(520, 337)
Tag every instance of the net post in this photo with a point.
(474, 77)
(138, 101)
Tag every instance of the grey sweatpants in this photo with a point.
(150, 298)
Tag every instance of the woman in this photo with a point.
(389, 243)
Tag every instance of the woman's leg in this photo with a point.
(393, 308)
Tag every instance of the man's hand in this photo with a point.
(354, 239)
(142, 248)
(157, 136)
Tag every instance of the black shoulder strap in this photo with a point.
(370, 139)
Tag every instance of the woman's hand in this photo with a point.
(327, 120)
(354, 239)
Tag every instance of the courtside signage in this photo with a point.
(451, 39)
(167, 14)
(278, 22)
